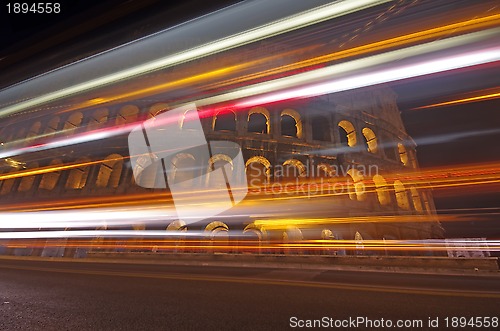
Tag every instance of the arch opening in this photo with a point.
(50, 179)
(370, 140)
(225, 121)
(383, 196)
(347, 133)
(110, 171)
(401, 195)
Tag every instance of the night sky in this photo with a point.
(446, 136)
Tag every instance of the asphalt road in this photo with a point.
(94, 296)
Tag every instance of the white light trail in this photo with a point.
(347, 71)
(335, 78)
(291, 23)
(382, 76)
(80, 218)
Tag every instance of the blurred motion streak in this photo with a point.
(244, 94)
(475, 98)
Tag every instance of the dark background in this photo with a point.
(446, 136)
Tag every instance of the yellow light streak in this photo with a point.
(294, 22)
(484, 97)
(438, 32)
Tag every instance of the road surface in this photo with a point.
(38, 295)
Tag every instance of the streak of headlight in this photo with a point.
(201, 241)
(72, 140)
(342, 84)
(463, 100)
(392, 42)
(97, 233)
(383, 76)
(288, 24)
(479, 56)
(52, 168)
(84, 218)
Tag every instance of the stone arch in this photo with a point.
(359, 242)
(73, 121)
(259, 120)
(127, 114)
(324, 170)
(110, 171)
(50, 179)
(351, 192)
(34, 130)
(183, 169)
(219, 157)
(190, 124)
(27, 181)
(146, 171)
(401, 195)
(292, 233)
(415, 197)
(293, 168)
(359, 186)
(178, 240)
(7, 185)
(383, 196)
(157, 109)
(291, 123)
(258, 230)
(258, 171)
(177, 225)
(98, 118)
(224, 121)
(370, 139)
(52, 126)
(403, 154)
(218, 233)
(216, 179)
(216, 226)
(328, 235)
(77, 178)
(347, 133)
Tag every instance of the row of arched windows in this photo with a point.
(258, 172)
(258, 121)
(93, 120)
(184, 165)
(382, 188)
(76, 177)
(291, 126)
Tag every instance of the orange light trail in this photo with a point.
(438, 32)
(483, 97)
(464, 176)
(103, 245)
